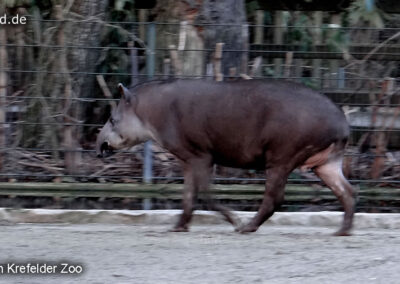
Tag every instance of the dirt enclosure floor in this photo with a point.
(207, 254)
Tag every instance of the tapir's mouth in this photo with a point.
(105, 150)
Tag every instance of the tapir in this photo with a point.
(269, 125)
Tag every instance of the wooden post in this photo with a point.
(288, 64)
(245, 47)
(3, 92)
(334, 64)
(278, 39)
(299, 69)
(259, 28)
(103, 85)
(176, 64)
(209, 71)
(317, 35)
(182, 35)
(232, 72)
(255, 69)
(72, 156)
(380, 145)
(134, 64)
(217, 62)
(143, 18)
(190, 45)
(167, 68)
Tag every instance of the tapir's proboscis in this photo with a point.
(269, 125)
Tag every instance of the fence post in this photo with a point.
(219, 76)
(317, 38)
(134, 64)
(143, 18)
(72, 155)
(150, 65)
(278, 40)
(245, 53)
(341, 78)
(334, 63)
(176, 63)
(167, 68)
(259, 28)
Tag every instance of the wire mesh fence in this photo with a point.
(59, 84)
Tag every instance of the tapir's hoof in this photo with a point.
(342, 233)
(246, 229)
(179, 229)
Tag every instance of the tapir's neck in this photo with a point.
(151, 133)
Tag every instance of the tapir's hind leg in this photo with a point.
(331, 173)
(273, 198)
(224, 211)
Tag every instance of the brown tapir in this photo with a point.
(254, 124)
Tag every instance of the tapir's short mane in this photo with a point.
(151, 82)
(292, 86)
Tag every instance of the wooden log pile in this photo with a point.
(126, 167)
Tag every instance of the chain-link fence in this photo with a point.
(57, 87)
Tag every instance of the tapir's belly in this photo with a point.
(248, 158)
(258, 163)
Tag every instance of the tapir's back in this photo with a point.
(244, 117)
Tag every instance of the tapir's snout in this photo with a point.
(103, 146)
(104, 150)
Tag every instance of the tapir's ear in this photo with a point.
(125, 93)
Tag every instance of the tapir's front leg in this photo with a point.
(189, 194)
(197, 175)
(273, 198)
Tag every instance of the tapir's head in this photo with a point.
(124, 128)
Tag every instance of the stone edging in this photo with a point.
(158, 217)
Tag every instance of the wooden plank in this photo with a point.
(174, 191)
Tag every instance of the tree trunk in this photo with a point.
(86, 34)
(230, 19)
(228, 26)
(81, 59)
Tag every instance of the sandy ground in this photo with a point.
(207, 254)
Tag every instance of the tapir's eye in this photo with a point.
(112, 121)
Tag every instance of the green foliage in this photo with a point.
(336, 39)
(309, 82)
(299, 35)
(17, 3)
(42, 8)
(252, 6)
(360, 15)
(122, 10)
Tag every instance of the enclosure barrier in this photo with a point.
(359, 75)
